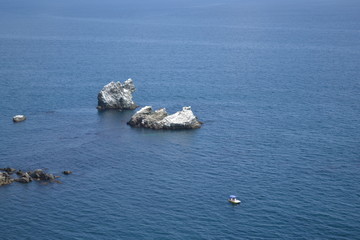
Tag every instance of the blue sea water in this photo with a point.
(276, 83)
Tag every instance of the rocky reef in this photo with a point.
(116, 95)
(5, 178)
(26, 177)
(160, 119)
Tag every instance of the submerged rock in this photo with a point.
(8, 170)
(67, 172)
(159, 119)
(19, 118)
(116, 95)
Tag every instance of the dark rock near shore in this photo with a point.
(25, 178)
(40, 174)
(8, 170)
(67, 172)
(5, 178)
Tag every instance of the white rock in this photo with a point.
(160, 119)
(144, 110)
(181, 119)
(19, 118)
(116, 95)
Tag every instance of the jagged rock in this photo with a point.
(67, 172)
(160, 119)
(146, 118)
(8, 170)
(116, 95)
(5, 178)
(39, 174)
(25, 178)
(19, 118)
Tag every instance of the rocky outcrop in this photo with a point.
(19, 118)
(5, 178)
(146, 118)
(26, 177)
(116, 95)
(8, 170)
(67, 172)
(160, 119)
(39, 174)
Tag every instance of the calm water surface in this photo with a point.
(276, 83)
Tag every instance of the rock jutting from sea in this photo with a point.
(19, 118)
(160, 119)
(5, 178)
(116, 95)
(26, 177)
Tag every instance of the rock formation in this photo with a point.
(159, 119)
(19, 118)
(8, 170)
(26, 177)
(5, 178)
(39, 174)
(116, 95)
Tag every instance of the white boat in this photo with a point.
(233, 199)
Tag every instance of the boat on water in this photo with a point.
(233, 199)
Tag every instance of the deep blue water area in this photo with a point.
(276, 83)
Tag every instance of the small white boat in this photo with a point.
(233, 199)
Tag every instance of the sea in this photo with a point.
(276, 84)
